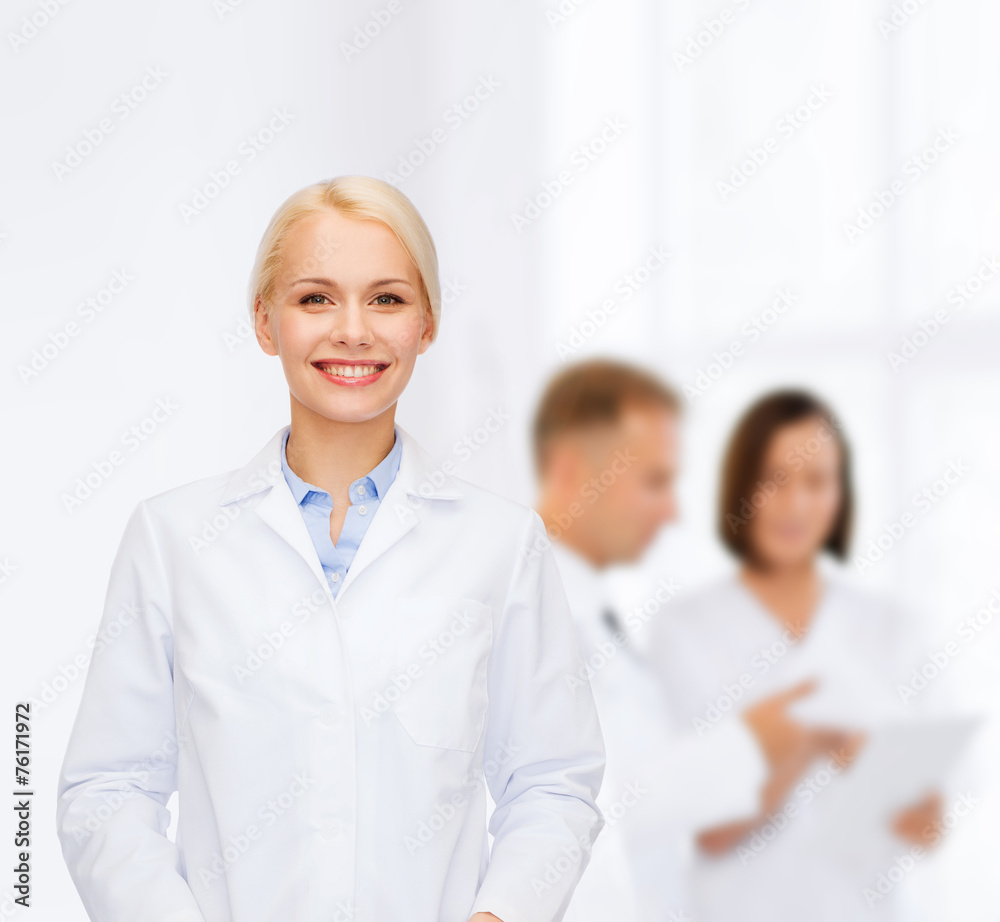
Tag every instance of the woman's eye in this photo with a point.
(313, 299)
(388, 299)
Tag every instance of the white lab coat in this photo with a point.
(662, 781)
(857, 647)
(329, 752)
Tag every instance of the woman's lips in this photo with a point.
(352, 379)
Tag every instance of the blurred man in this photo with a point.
(605, 440)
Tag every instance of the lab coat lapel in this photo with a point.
(278, 508)
(406, 502)
(418, 480)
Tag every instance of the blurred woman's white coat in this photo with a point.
(721, 645)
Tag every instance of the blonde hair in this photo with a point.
(361, 197)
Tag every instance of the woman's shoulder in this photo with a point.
(197, 499)
(875, 616)
(494, 510)
(428, 477)
(851, 594)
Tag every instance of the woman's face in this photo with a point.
(347, 319)
(798, 495)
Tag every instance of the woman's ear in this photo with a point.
(262, 327)
(428, 331)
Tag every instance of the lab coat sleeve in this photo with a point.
(120, 765)
(543, 716)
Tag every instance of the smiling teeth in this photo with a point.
(350, 371)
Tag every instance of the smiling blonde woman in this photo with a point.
(369, 644)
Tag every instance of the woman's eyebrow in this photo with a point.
(315, 282)
(333, 284)
(390, 282)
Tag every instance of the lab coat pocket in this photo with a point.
(441, 650)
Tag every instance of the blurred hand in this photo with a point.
(921, 823)
(485, 917)
(780, 737)
(789, 747)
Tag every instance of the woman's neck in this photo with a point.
(790, 594)
(333, 455)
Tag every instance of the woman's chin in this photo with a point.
(787, 558)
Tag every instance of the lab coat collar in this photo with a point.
(419, 476)
(379, 477)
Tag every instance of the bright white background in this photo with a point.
(549, 84)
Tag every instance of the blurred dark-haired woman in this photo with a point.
(787, 621)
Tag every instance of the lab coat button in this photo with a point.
(330, 714)
(331, 825)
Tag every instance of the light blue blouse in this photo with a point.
(316, 505)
